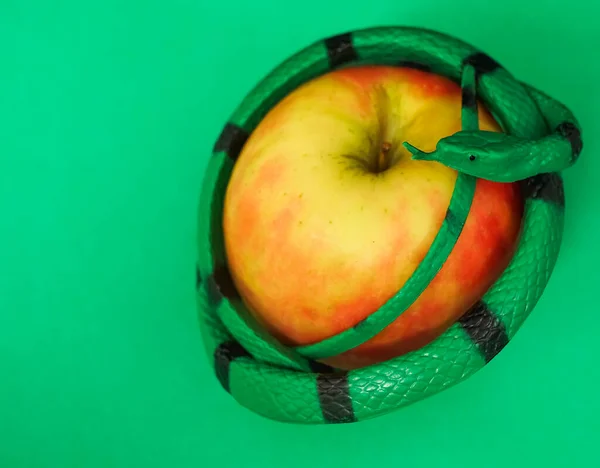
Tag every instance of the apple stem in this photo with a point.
(383, 161)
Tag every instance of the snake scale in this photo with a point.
(540, 138)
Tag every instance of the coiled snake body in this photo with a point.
(541, 137)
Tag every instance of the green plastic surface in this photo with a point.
(109, 112)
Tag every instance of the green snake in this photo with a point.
(540, 138)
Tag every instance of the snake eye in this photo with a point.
(472, 157)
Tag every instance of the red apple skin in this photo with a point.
(316, 242)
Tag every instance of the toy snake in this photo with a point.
(540, 138)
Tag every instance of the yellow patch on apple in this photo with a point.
(326, 215)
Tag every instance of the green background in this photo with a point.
(108, 113)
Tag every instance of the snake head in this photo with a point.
(471, 152)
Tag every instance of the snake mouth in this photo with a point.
(418, 154)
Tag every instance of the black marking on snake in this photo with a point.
(334, 398)
(320, 368)
(415, 65)
(482, 63)
(231, 140)
(548, 187)
(224, 355)
(340, 49)
(220, 285)
(570, 131)
(485, 330)
(469, 100)
(454, 225)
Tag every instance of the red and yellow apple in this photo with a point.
(326, 215)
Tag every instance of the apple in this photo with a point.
(326, 215)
